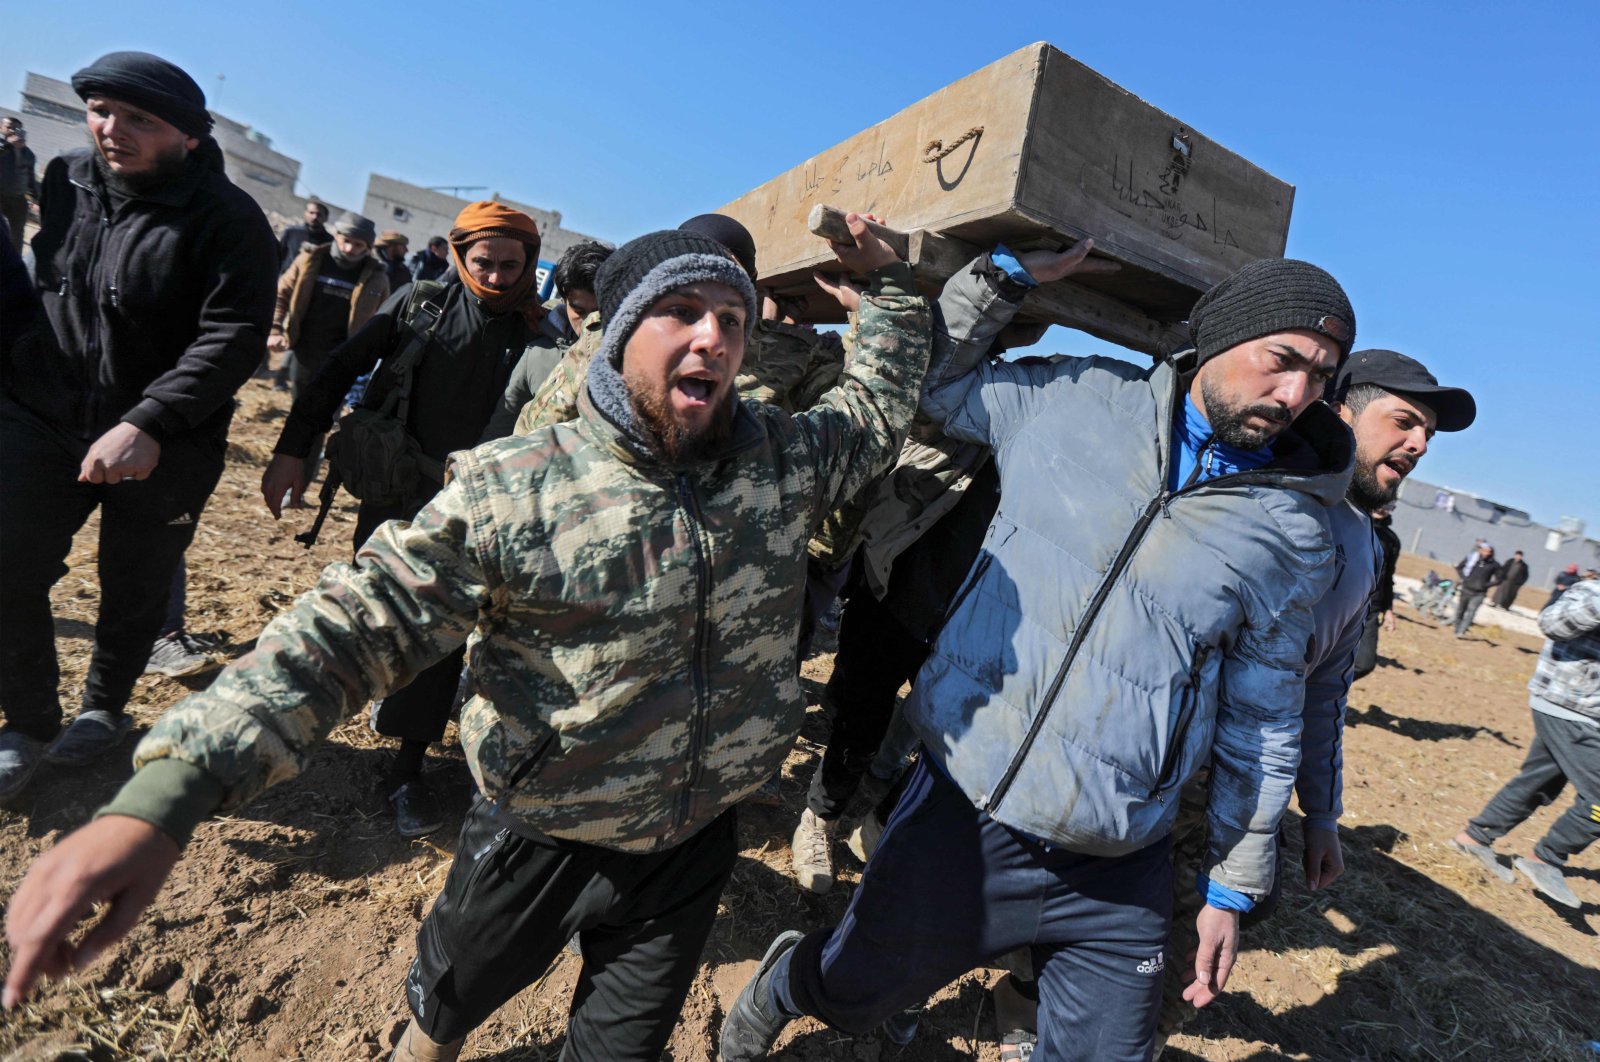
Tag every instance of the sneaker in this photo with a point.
(178, 654)
(416, 809)
(812, 852)
(1485, 855)
(753, 1023)
(20, 756)
(1548, 880)
(864, 838)
(902, 1028)
(90, 736)
(415, 1046)
(1017, 1046)
(770, 795)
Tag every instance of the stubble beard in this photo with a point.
(1228, 420)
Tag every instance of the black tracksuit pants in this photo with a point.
(876, 656)
(511, 902)
(145, 526)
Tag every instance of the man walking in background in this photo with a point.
(432, 260)
(175, 327)
(391, 251)
(19, 182)
(1479, 572)
(328, 294)
(312, 231)
(1564, 694)
(1516, 574)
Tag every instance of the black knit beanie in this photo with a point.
(1271, 295)
(643, 270)
(728, 232)
(150, 83)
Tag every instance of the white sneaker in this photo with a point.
(812, 853)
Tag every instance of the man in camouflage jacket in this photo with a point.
(628, 586)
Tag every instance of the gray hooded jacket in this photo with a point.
(1113, 636)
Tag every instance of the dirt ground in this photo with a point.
(286, 931)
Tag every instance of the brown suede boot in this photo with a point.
(414, 1046)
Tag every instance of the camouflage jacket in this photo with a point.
(556, 400)
(787, 363)
(630, 627)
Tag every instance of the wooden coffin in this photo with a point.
(1034, 150)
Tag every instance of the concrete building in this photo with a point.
(1443, 524)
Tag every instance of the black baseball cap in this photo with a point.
(1409, 378)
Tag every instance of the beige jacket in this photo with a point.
(299, 281)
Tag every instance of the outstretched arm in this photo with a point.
(364, 631)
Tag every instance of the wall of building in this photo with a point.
(1443, 525)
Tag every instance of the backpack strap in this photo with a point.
(424, 308)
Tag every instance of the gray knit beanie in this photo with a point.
(643, 270)
(1271, 295)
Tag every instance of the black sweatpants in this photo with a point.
(876, 656)
(145, 526)
(1563, 751)
(510, 903)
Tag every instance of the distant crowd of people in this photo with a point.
(1130, 601)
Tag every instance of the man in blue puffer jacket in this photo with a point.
(1142, 605)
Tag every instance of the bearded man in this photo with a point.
(1141, 607)
(629, 585)
(486, 315)
(158, 276)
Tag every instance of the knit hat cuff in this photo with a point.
(667, 276)
(1331, 325)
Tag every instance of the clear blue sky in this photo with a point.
(1446, 155)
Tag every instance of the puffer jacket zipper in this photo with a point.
(702, 637)
(1158, 506)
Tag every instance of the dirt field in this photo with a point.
(287, 930)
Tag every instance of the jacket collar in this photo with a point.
(174, 193)
(1315, 454)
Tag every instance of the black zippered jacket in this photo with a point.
(160, 305)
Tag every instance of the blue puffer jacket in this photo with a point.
(1113, 636)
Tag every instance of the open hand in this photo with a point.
(845, 291)
(1213, 960)
(1045, 266)
(115, 860)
